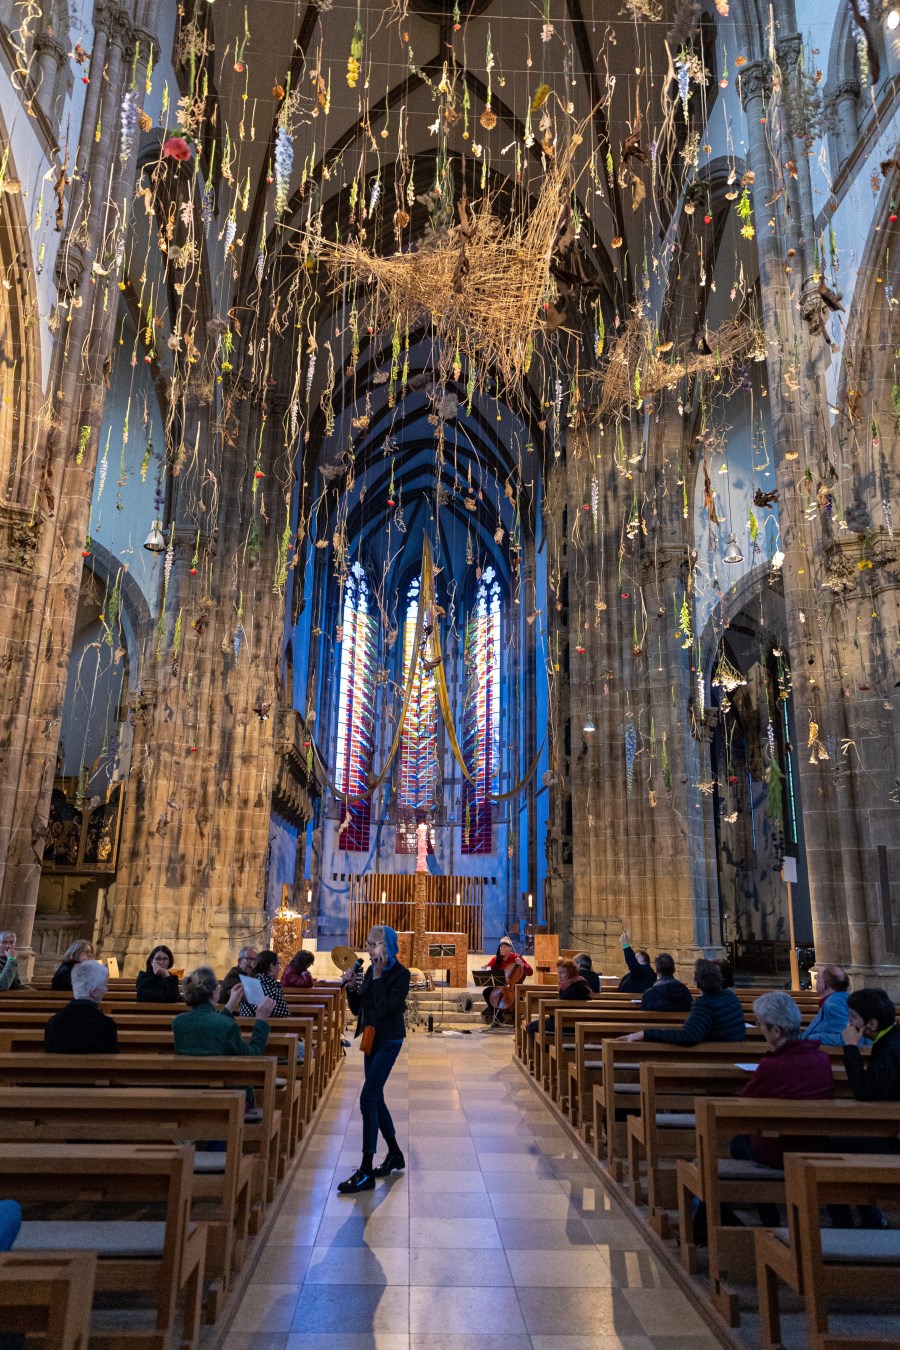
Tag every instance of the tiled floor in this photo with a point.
(498, 1236)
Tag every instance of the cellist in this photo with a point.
(505, 960)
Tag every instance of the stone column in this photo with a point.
(842, 102)
(42, 619)
(834, 856)
(51, 62)
(193, 861)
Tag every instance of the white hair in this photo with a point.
(7, 933)
(778, 1009)
(88, 976)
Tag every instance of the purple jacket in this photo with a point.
(798, 1069)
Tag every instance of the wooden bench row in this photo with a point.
(664, 1117)
(139, 1107)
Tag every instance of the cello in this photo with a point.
(502, 999)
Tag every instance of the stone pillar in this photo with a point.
(193, 860)
(834, 844)
(842, 103)
(51, 63)
(41, 616)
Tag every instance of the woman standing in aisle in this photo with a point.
(378, 999)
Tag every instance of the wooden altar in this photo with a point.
(442, 951)
(452, 905)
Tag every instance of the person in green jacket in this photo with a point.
(9, 966)
(204, 1031)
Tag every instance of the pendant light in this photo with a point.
(155, 541)
(732, 553)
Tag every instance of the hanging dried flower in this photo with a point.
(129, 120)
(177, 148)
(488, 118)
(284, 162)
(355, 57)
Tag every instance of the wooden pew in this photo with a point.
(619, 1089)
(135, 1017)
(827, 1263)
(529, 996)
(261, 1135)
(665, 1128)
(282, 1046)
(716, 1179)
(164, 1259)
(566, 1014)
(222, 1179)
(49, 1296)
(560, 1048)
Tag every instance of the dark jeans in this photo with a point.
(375, 1114)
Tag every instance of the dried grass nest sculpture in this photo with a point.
(638, 368)
(482, 285)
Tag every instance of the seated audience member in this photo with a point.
(297, 974)
(640, 972)
(9, 965)
(589, 975)
(794, 1067)
(829, 1023)
(727, 970)
(155, 984)
(667, 994)
(572, 985)
(247, 958)
(266, 971)
(80, 1028)
(205, 1031)
(716, 1016)
(62, 976)
(872, 1014)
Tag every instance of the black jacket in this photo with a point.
(639, 977)
(381, 1004)
(80, 1028)
(152, 988)
(577, 990)
(668, 995)
(62, 976)
(592, 979)
(879, 1080)
(714, 1017)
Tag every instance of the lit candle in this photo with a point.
(458, 901)
(530, 900)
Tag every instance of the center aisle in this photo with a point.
(498, 1234)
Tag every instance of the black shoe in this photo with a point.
(360, 1181)
(394, 1162)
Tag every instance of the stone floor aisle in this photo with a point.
(497, 1236)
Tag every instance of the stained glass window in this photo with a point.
(356, 708)
(481, 740)
(418, 759)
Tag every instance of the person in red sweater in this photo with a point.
(502, 965)
(296, 974)
(792, 1068)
